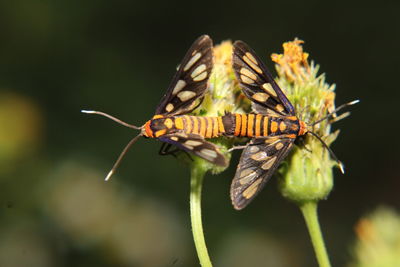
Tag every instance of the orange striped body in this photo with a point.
(241, 125)
(207, 127)
(258, 125)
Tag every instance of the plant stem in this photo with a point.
(309, 210)
(196, 183)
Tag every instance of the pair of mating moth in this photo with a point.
(273, 127)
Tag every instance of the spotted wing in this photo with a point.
(196, 144)
(190, 81)
(257, 82)
(258, 162)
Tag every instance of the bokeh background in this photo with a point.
(58, 57)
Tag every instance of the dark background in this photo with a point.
(58, 57)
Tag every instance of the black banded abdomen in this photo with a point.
(258, 125)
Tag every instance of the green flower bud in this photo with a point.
(308, 174)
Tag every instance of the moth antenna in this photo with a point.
(112, 118)
(341, 166)
(334, 111)
(126, 148)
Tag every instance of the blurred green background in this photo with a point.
(58, 57)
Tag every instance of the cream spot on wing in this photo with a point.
(248, 73)
(174, 138)
(271, 140)
(278, 146)
(246, 79)
(196, 72)
(179, 85)
(188, 147)
(279, 108)
(192, 61)
(252, 64)
(200, 77)
(245, 172)
(248, 178)
(273, 113)
(262, 155)
(267, 87)
(251, 57)
(209, 153)
(267, 165)
(252, 189)
(253, 149)
(186, 95)
(193, 143)
(260, 97)
(169, 107)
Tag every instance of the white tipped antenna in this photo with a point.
(341, 166)
(354, 102)
(112, 118)
(110, 173)
(126, 148)
(116, 164)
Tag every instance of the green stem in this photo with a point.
(309, 210)
(196, 183)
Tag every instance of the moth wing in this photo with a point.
(197, 145)
(190, 81)
(257, 82)
(258, 162)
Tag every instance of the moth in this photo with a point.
(273, 128)
(170, 124)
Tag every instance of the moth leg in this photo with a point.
(301, 142)
(165, 150)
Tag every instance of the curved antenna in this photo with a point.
(126, 148)
(341, 166)
(334, 112)
(112, 118)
